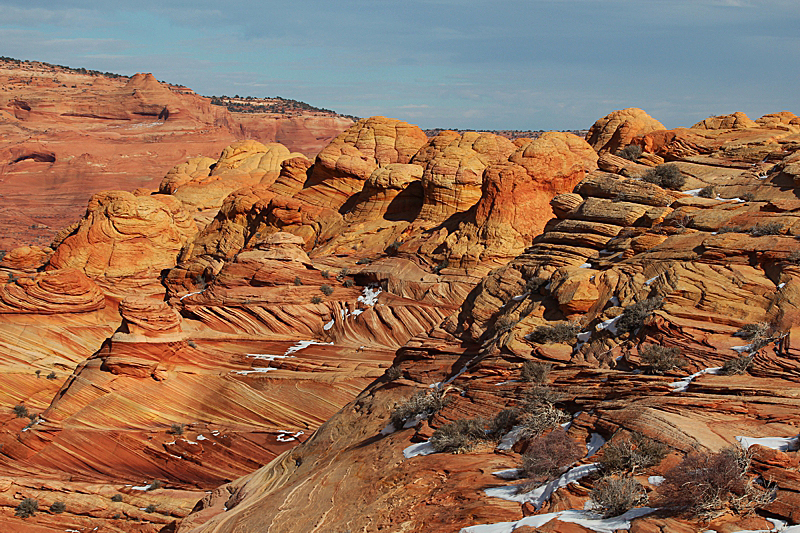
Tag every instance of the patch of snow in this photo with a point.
(267, 357)
(656, 480)
(288, 436)
(714, 233)
(328, 325)
(521, 297)
(762, 177)
(692, 192)
(259, 370)
(595, 443)
(344, 313)
(782, 444)
(610, 325)
(143, 487)
(215, 432)
(422, 448)
(742, 349)
(71, 531)
(586, 265)
(190, 294)
(541, 494)
(682, 385)
(651, 280)
(592, 521)
(584, 336)
(201, 437)
(506, 382)
(370, 296)
(357, 312)
(510, 439)
(169, 443)
(302, 345)
(781, 285)
(508, 473)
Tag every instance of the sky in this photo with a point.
(468, 64)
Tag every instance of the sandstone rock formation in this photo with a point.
(737, 120)
(59, 291)
(617, 129)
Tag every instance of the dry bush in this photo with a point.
(709, 191)
(615, 496)
(732, 229)
(634, 453)
(504, 323)
(175, 429)
(58, 507)
(27, 507)
(458, 436)
(393, 373)
(705, 482)
(759, 334)
(298, 281)
(534, 284)
(794, 257)
(348, 283)
(667, 176)
(316, 300)
(737, 365)
(747, 197)
(535, 371)
(631, 152)
(503, 422)
(660, 359)
(634, 315)
(326, 289)
(549, 456)
(561, 332)
(150, 508)
(539, 412)
(116, 498)
(421, 402)
(767, 228)
(325, 274)
(21, 411)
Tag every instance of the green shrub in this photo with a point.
(705, 482)
(458, 436)
(661, 359)
(767, 228)
(561, 332)
(21, 411)
(632, 454)
(27, 507)
(535, 371)
(667, 176)
(58, 507)
(615, 496)
(633, 316)
(549, 455)
(709, 191)
(631, 152)
(327, 290)
(737, 365)
(420, 403)
(116, 498)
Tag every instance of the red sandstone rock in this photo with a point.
(617, 129)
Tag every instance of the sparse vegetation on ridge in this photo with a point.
(458, 436)
(549, 455)
(767, 228)
(421, 403)
(26, 508)
(660, 359)
(631, 152)
(667, 176)
(632, 454)
(634, 315)
(613, 496)
(561, 332)
(535, 371)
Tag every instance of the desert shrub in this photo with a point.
(794, 257)
(705, 482)
(58, 507)
(753, 331)
(458, 436)
(748, 197)
(767, 228)
(150, 508)
(444, 263)
(615, 496)
(504, 323)
(176, 429)
(393, 248)
(342, 274)
(561, 332)
(634, 315)
(21, 411)
(393, 373)
(348, 283)
(191, 343)
(326, 289)
(660, 359)
(316, 300)
(535, 371)
(503, 422)
(667, 176)
(731, 229)
(155, 484)
(634, 453)
(709, 191)
(27, 507)
(539, 413)
(737, 365)
(549, 455)
(420, 403)
(116, 498)
(297, 281)
(631, 152)
(38, 373)
(534, 284)
(325, 274)
(51, 375)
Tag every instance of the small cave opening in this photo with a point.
(38, 157)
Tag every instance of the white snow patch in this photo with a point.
(201, 437)
(328, 325)
(288, 436)
(781, 285)
(215, 432)
(742, 349)
(763, 176)
(614, 301)
(541, 494)
(586, 265)
(651, 280)
(509, 473)
(520, 297)
(357, 312)
(190, 294)
(682, 385)
(610, 325)
(595, 443)
(267, 357)
(656, 480)
(510, 438)
(71, 531)
(143, 487)
(259, 370)
(692, 192)
(584, 336)
(422, 448)
(302, 345)
(782, 444)
(370, 296)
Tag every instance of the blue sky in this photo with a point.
(517, 64)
